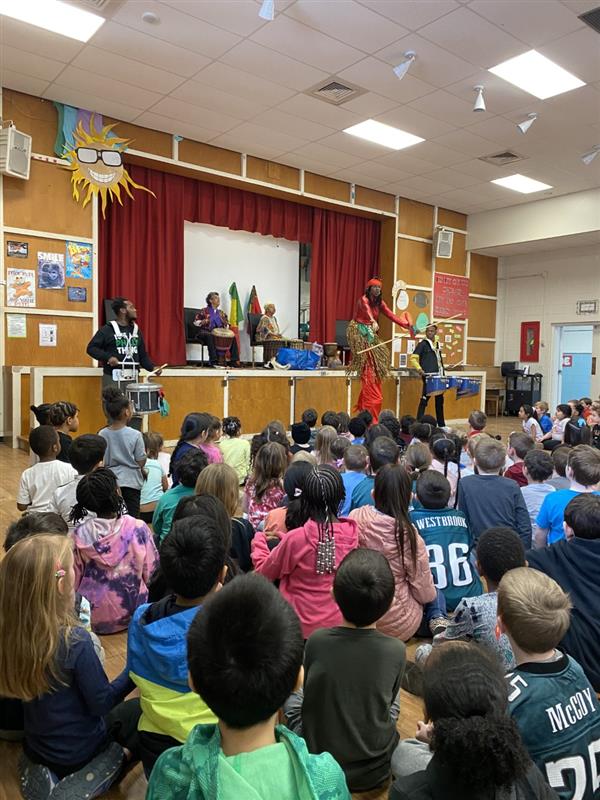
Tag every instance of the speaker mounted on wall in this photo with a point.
(15, 153)
(442, 243)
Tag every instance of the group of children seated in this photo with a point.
(268, 587)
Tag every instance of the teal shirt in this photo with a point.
(361, 496)
(165, 509)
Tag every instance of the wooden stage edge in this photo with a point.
(256, 396)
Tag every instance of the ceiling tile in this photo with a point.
(369, 105)
(186, 112)
(302, 161)
(440, 155)
(200, 94)
(101, 105)
(425, 184)
(259, 135)
(413, 121)
(237, 16)
(287, 36)
(243, 84)
(259, 150)
(408, 160)
(141, 47)
(273, 66)
(447, 107)
(528, 20)
(370, 73)
(580, 6)
(88, 82)
(38, 41)
(148, 119)
(433, 65)
(452, 177)
(336, 117)
(465, 142)
(500, 96)
(329, 155)
(177, 28)
(348, 22)
(482, 171)
(120, 68)
(473, 38)
(295, 126)
(16, 60)
(371, 171)
(577, 52)
(23, 83)
(352, 144)
(412, 14)
(502, 132)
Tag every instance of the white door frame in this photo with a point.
(556, 376)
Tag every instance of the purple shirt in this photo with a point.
(215, 318)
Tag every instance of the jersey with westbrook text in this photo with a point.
(558, 715)
(449, 543)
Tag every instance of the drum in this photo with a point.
(271, 347)
(144, 397)
(223, 339)
(436, 384)
(467, 387)
(330, 349)
(296, 344)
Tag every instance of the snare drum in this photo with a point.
(467, 387)
(271, 347)
(296, 344)
(436, 384)
(223, 339)
(144, 397)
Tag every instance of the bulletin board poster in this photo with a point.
(450, 296)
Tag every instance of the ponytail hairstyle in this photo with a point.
(325, 438)
(153, 443)
(193, 426)
(442, 447)
(232, 427)
(214, 429)
(474, 739)
(392, 494)
(423, 431)
(60, 412)
(416, 459)
(269, 467)
(293, 483)
(98, 491)
(115, 403)
(36, 614)
(273, 432)
(344, 421)
(321, 498)
(529, 411)
(42, 413)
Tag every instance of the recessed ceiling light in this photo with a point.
(382, 134)
(521, 183)
(55, 16)
(536, 74)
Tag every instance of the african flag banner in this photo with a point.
(236, 315)
(253, 304)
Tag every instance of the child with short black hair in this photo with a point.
(560, 458)
(114, 552)
(245, 658)
(86, 455)
(189, 466)
(382, 450)
(352, 675)
(448, 540)
(357, 428)
(489, 500)
(156, 482)
(531, 426)
(550, 698)
(519, 444)
(32, 523)
(356, 462)
(125, 452)
(192, 560)
(330, 418)
(310, 417)
(555, 436)
(422, 432)
(477, 421)
(405, 424)
(537, 468)
(301, 438)
(366, 417)
(40, 481)
(64, 416)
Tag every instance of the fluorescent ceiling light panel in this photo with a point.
(55, 16)
(536, 74)
(521, 183)
(382, 134)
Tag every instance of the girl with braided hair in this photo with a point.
(236, 451)
(64, 416)
(306, 558)
(114, 552)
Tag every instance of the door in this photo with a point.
(575, 361)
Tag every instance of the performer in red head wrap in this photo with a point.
(374, 365)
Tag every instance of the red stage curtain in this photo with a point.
(141, 251)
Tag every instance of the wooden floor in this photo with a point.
(12, 463)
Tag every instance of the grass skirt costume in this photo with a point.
(373, 366)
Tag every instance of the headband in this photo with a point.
(374, 282)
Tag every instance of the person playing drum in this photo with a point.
(370, 357)
(427, 359)
(206, 320)
(268, 327)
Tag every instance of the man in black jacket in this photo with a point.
(427, 359)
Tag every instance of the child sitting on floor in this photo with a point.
(40, 481)
(537, 468)
(310, 417)
(245, 658)
(189, 466)
(156, 482)
(356, 461)
(78, 734)
(357, 428)
(338, 447)
(477, 421)
(301, 438)
(287, 516)
(64, 417)
(264, 489)
(519, 444)
(114, 553)
(352, 675)
(560, 457)
(550, 698)
(192, 562)
(543, 416)
(530, 424)
(236, 451)
(86, 455)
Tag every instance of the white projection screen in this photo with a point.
(215, 257)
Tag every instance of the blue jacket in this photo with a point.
(489, 501)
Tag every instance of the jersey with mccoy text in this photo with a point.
(558, 715)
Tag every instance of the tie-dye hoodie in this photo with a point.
(114, 559)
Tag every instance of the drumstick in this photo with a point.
(156, 369)
(381, 344)
(441, 321)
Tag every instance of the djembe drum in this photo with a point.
(271, 347)
(223, 340)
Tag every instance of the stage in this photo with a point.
(255, 395)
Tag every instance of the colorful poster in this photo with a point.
(20, 285)
(17, 249)
(79, 260)
(450, 296)
(51, 270)
(76, 294)
(16, 326)
(48, 335)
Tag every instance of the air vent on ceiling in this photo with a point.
(592, 18)
(503, 158)
(335, 92)
(90, 5)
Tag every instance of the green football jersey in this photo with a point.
(558, 714)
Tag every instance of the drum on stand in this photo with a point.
(437, 384)
(144, 397)
(223, 341)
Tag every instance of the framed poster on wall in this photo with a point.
(530, 341)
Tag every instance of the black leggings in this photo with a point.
(131, 498)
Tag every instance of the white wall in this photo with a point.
(216, 257)
(545, 287)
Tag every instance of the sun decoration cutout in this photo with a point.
(96, 161)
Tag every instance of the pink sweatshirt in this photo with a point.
(293, 562)
(414, 584)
